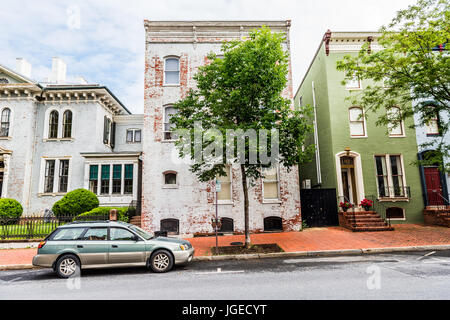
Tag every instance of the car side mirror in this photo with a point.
(136, 238)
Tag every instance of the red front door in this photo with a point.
(434, 187)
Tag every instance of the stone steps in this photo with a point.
(136, 220)
(364, 221)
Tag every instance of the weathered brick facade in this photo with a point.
(192, 202)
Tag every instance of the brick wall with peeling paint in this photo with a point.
(192, 202)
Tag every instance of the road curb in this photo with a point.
(321, 253)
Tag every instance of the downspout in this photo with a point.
(316, 137)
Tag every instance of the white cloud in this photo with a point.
(108, 47)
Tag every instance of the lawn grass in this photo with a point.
(30, 231)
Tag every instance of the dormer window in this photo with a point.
(172, 71)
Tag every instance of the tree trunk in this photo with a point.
(246, 215)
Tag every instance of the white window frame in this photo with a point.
(179, 72)
(389, 177)
(55, 190)
(271, 201)
(428, 127)
(59, 136)
(398, 219)
(11, 122)
(164, 124)
(133, 130)
(170, 186)
(230, 172)
(402, 125)
(349, 84)
(363, 120)
(111, 163)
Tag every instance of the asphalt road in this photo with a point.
(419, 275)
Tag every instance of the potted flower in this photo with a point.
(366, 204)
(345, 206)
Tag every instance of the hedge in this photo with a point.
(122, 214)
(10, 209)
(75, 202)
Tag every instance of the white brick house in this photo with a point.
(173, 199)
(58, 136)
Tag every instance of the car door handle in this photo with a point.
(79, 246)
(115, 246)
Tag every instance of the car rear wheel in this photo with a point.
(68, 266)
(161, 261)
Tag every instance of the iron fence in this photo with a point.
(37, 227)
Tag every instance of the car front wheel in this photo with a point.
(161, 261)
(68, 266)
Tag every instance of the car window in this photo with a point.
(96, 234)
(68, 234)
(144, 234)
(118, 234)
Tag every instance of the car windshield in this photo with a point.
(144, 234)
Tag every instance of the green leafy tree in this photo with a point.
(411, 70)
(243, 91)
(75, 202)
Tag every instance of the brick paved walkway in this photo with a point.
(316, 239)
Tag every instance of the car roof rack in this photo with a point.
(93, 221)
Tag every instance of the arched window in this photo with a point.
(395, 213)
(273, 224)
(4, 130)
(172, 226)
(53, 125)
(395, 126)
(67, 124)
(172, 71)
(170, 179)
(357, 125)
(227, 225)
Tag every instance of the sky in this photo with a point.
(103, 40)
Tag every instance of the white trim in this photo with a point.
(228, 201)
(365, 135)
(391, 197)
(170, 186)
(11, 121)
(316, 137)
(354, 88)
(179, 72)
(272, 201)
(170, 105)
(402, 126)
(358, 175)
(41, 189)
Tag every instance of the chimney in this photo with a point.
(23, 67)
(59, 69)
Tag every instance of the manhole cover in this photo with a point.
(237, 244)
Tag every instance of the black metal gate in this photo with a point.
(319, 207)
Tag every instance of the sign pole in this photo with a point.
(217, 216)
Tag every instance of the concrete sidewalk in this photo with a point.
(315, 241)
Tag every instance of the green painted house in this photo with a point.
(354, 156)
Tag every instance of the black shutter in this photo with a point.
(113, 135)
(105, 125)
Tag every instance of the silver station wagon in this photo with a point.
(80, 245)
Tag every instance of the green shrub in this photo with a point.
(122, 214)
(75, 202)
(10, 209)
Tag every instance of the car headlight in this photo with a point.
(184, 247)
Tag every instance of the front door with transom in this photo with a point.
(349, 179)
